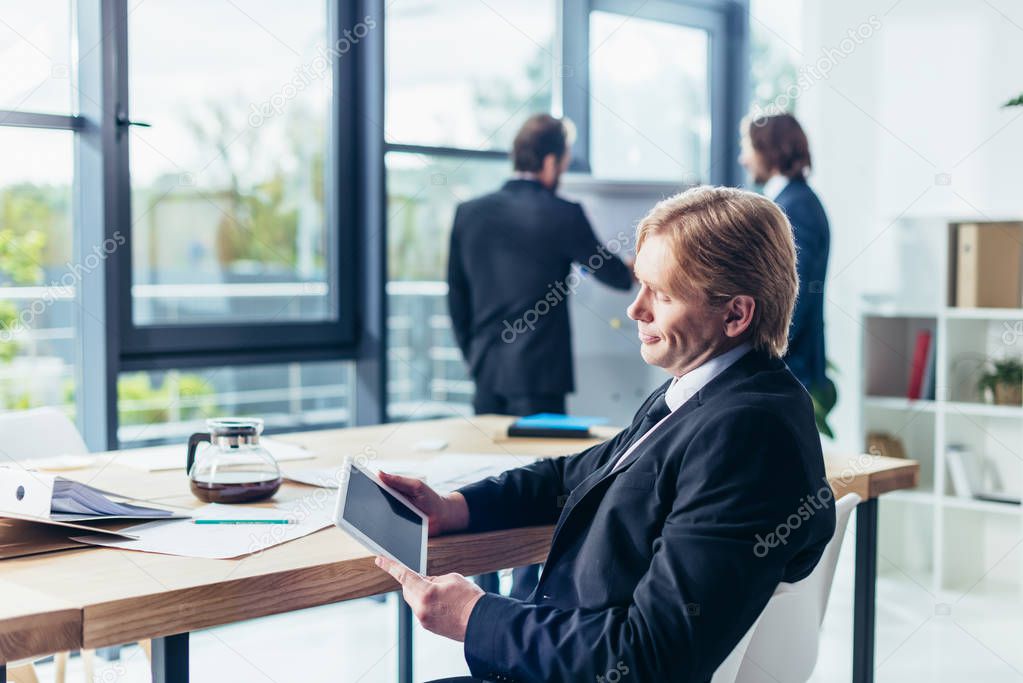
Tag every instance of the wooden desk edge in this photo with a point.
(189, 609)
(42, 634)
(897, 474)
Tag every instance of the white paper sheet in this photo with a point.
(444, 473)
(173, 460)
(224, 541)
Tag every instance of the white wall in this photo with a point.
(918, 98)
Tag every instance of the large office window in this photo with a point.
(35, 51)
(240, 157)
(650, 115)
(39, 271)
(228, 201)
(39, 274)
(158, 406)
(241, 222)
(463, 73)
(192, 213)
(776, 45)
(662, 90)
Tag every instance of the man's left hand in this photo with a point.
(441, 603)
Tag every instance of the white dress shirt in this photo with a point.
(688, 385)
(774, 185)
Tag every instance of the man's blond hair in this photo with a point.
(727, 242)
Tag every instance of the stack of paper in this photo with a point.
(76, 502)
(224, 541)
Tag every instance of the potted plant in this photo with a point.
(1015, 102)
(1004, 381)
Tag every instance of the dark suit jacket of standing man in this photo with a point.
(806, 356)
(660, 566)
(509, 249)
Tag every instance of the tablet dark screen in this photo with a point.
(385, 519)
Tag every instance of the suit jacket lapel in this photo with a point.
(752, 362)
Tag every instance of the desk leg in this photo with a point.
(865, 595)
(405, 624)
(170, 659)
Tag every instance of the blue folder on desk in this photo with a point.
(555, 425)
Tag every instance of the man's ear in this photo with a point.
(739, 315)
(551, 165)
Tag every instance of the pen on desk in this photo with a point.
(244, 521)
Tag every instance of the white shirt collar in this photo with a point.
(774, 185)
(688, 385)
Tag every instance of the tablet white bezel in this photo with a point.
(348, 527)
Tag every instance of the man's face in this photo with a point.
(676, 334)
(754, 164)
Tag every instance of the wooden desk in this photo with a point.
(94, 597)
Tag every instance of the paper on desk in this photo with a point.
(173, 460)
(223, 541)
(444, 473)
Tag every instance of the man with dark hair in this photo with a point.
(776, 154)
(511, 254)
(510, 259)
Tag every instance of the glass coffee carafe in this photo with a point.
(232, 467)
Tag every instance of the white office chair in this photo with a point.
(781, 646)
(38, 433)
(28, 435)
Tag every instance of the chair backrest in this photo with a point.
(781, 646)
(38, 433)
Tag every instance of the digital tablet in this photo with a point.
(381, 518)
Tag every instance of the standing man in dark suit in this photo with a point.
(672, 536)
(509, 273)
(776, 154)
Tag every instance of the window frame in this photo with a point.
(195, 344)
(725, 24)
(109, 342)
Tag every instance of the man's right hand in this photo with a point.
(446, 514)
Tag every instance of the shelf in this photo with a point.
(982, 409)
(950, 313)
(948, 407)
(958, 503)
(897, 403)
(919, 497)
(954, 313)
(896, 312)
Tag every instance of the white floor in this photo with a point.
(974, 635)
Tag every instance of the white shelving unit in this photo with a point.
(946, 543)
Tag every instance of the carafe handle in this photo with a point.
(193, 443)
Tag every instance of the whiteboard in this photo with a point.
(611, 379)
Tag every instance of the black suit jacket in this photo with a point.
(806, 356)
(662, 565)
(509, 251)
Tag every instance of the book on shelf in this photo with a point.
(921, 352)
(961, 474)
(972, 477)
(930, 370)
